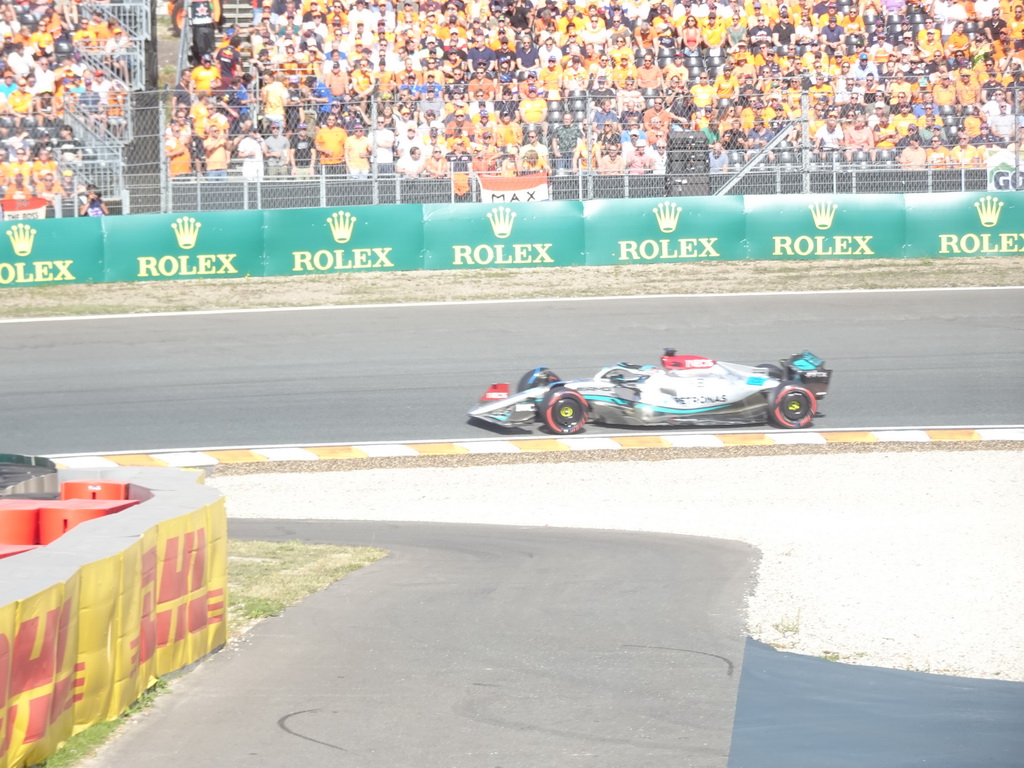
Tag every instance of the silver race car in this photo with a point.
(687, 390)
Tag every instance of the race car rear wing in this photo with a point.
(809, 369)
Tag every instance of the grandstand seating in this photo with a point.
(473, 77)
(392, 55)
(64, 98)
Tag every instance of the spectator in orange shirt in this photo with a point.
(336, 80)
(218, 154)
(21, 164)
(914, 157)
(967, 89)
(508, 133)
(900, 85)
(657, 111)
(676, 68)
(206, 76)
(550, 79)
(362, 85)
(357, 153)
(19, 103)
(178, 155)
(957, 40)
(965, 153)
(18, 189)
(648, 76)
(533, 110)
(973, 124)
(944, 92)
(44, 164)
(330, 146)
(611, 160)
(50, 189)
(97, 28)
(938, 155)
(703, 93)
(436, 166)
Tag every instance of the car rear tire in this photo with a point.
(538, 377)
(792, 406)
(563, 411)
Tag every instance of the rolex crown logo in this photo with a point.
(186, 229)
(989, 208)
(341, 223)
(667, 216)
(22, 236)
(822, 214)
(502, 219)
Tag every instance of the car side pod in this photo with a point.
(495, 392)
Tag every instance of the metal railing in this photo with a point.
(134, 17)
(188, 194)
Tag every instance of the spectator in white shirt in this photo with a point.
(250, 149)
(829, 137)
(410, 165)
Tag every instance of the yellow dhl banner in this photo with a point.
(80, 652)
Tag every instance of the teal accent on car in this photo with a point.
(620, 401)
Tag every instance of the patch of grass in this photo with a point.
(85, 744)
(264, 578)
(788, 626)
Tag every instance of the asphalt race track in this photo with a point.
(474, 647)
(916, 358)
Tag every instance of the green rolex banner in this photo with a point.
(474, 235)
(824, 226)
(352, 239)
(44, 251)
(965, 224)
(542, 234)
(664, 230)
(188, 246)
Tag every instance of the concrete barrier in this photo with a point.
(92, 620)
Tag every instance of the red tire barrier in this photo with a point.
(58, 517)
(94, 489)
(19, 521)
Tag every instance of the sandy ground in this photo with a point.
(906, 560)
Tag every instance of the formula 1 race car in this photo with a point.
(687, 390)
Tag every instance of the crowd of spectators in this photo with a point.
(514, 87)
(42, 77)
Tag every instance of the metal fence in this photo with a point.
(793, 163)
(321, 191)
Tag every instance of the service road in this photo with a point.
(474, 647)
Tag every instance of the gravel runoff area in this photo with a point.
(909, 560)
(338, 289)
